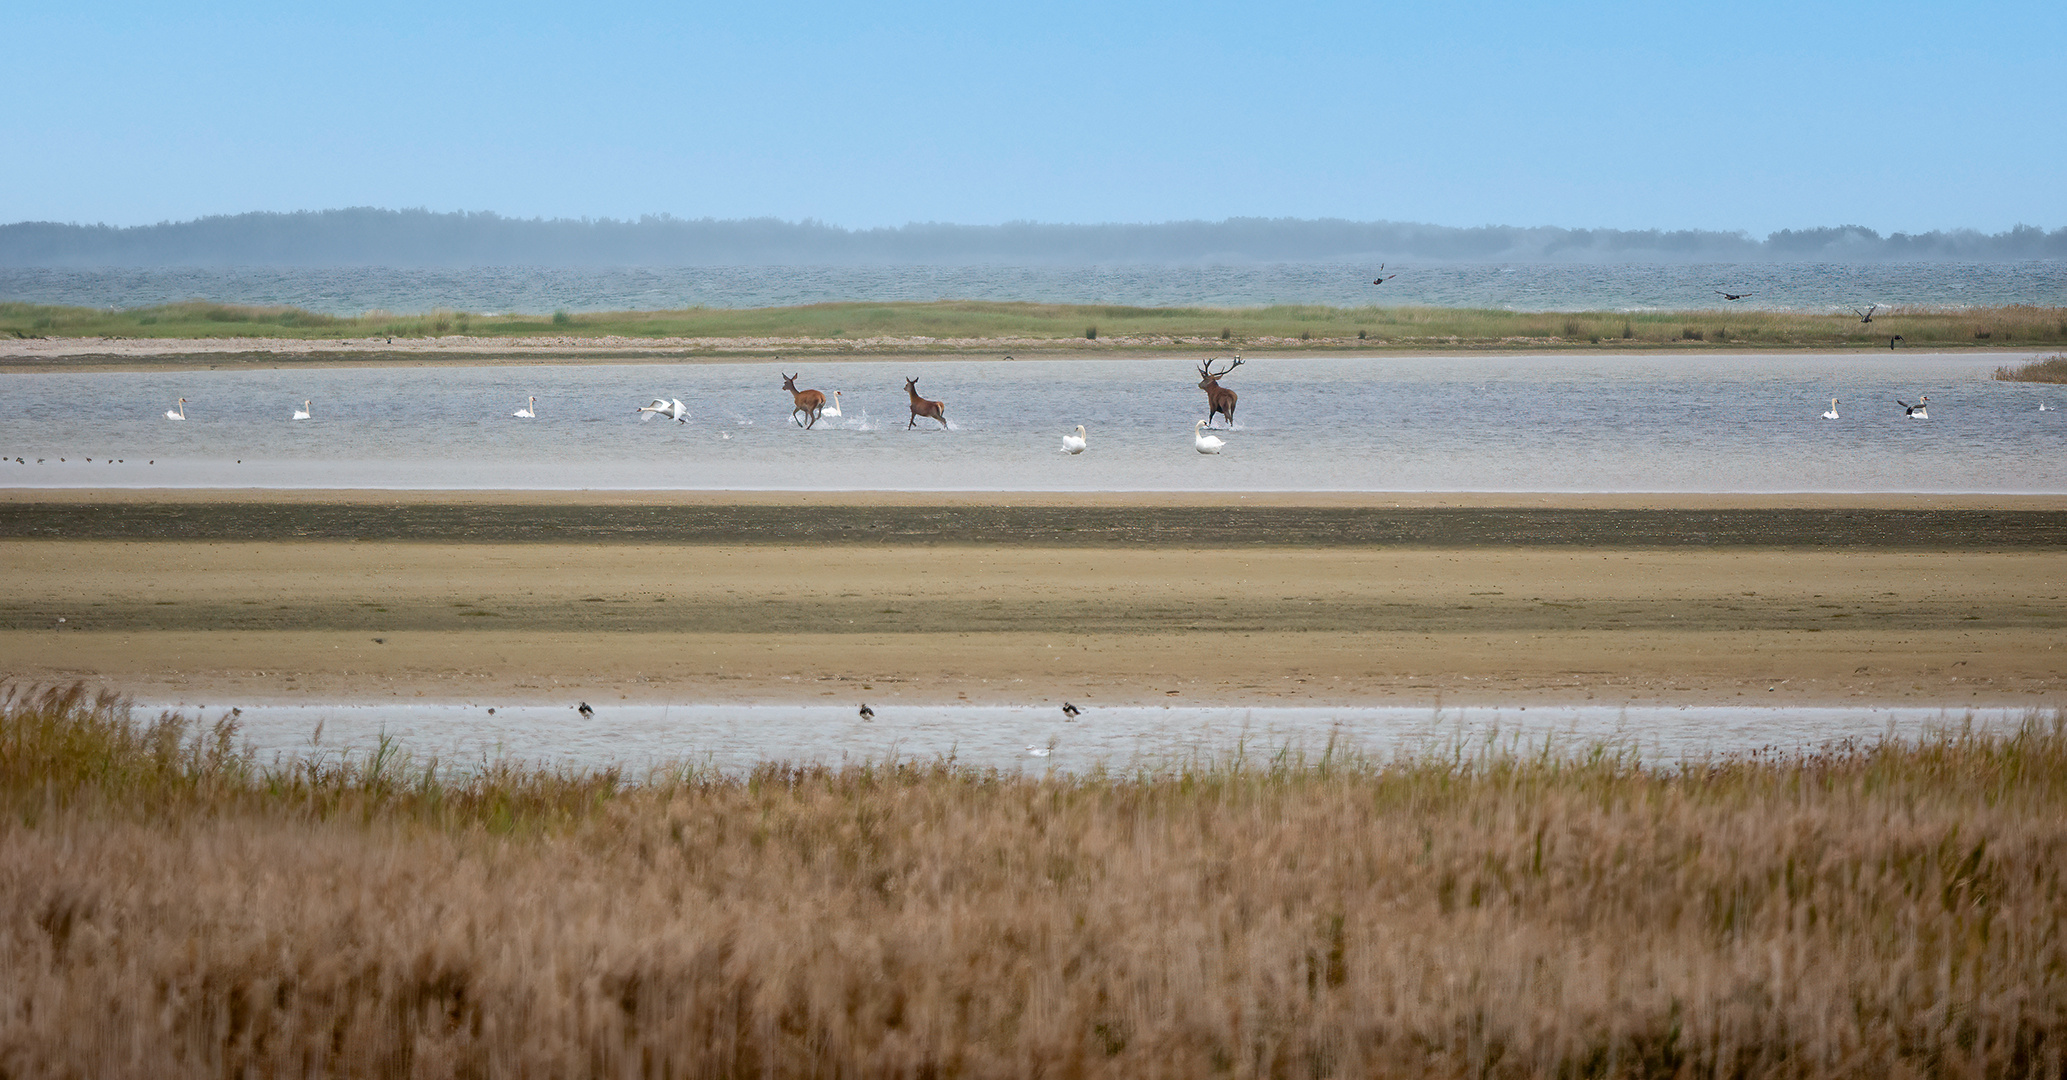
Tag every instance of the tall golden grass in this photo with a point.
(175, 908)
(2048, 369)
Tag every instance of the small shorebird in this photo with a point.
(866, 712)
(1074, 444)
(1203, 443)
(1071, 711)
(584, 710)
(1867, 315)
(1918, 411)
(1731, 296)
(1832, 414)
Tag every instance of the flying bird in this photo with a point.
(1892, 340)
(1918, 411)
(1731, 296)
(1867, 315)
(866, 712)
(584, 710)
(1384, 277)
(672, 408)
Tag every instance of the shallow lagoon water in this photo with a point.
(1672, 423)
(735, 738)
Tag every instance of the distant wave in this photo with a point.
(368, 236)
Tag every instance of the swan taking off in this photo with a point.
(1918, 411)
(672, 408)
(1204, 443)
(302, 413)
(832, 409)
(1832, 414)
(179, 413)
(529, 411)
(1074, 444)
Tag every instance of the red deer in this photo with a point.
(809, 402)
(1219, 399)
(923, 407)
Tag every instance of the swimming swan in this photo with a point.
(1203, 443)
(832, 409)
(1074, 444)
(671, 408)
(301, 413)
(529, 411)
(177, 414)
(1918, 411)
(1832, 414)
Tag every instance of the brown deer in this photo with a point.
(922, 406)
(1219, 399)
(809, 402)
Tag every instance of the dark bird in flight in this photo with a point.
(1867, 315)
(866, 712)
(585, 711)
(1731, 296)
(1071, 711)
(1892, 340)
(1384, 277)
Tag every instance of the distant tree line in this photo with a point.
(365, 236)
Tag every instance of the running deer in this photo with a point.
(1219, 399)
(809, 402)
(922, 406)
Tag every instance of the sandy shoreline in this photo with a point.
(223, 619)
(40, 355)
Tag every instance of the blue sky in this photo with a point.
(1756, 116)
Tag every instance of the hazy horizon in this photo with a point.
(367, 236)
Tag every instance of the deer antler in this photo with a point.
(1208, 371)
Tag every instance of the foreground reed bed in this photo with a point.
(174, 908)
(958, 325)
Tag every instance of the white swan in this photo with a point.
(1832, 414)
(2043, 407)
(1919, 411)
(301, 413)
(179, 413)
(672, 408)
(529, 411)
(1074, 444)
(832, 409)
(1203, 443)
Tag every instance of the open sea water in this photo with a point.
(1559, 423)
(1811, 287)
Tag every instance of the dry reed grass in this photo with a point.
(2048, 369)
(174, 909)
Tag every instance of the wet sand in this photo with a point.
(1264, 599)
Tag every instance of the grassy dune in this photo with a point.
(176, 908)
(1027, 326)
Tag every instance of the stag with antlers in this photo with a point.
(923, 406)
(1219, 399)
(809, 402)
